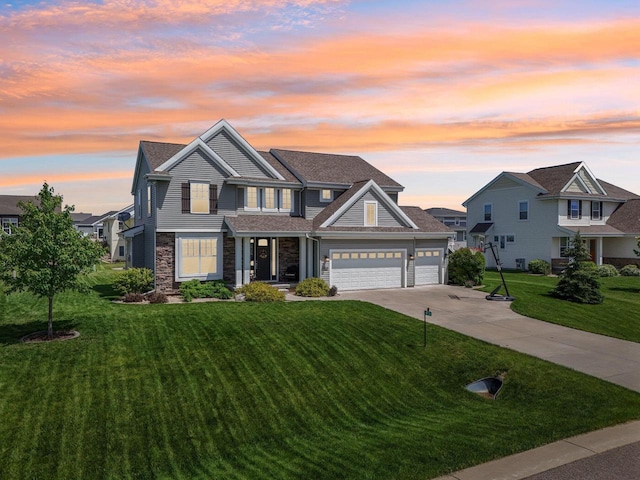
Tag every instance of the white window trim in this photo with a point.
(601, 206)
(366, 204)
(263, 193)
(490, 205)
(280, 199)
(207, 190)
(149, 197)
(246, 200)
(520, 202)
(570, 214)
(178, 256)
(325, 200)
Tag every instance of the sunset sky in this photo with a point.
(440, 95)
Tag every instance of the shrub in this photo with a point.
(196, 289)
(133, 298)
(157, 297)
(261, 292)
(134, 280)
(466, 266)
(580, 281)
(539, 267)
(630, 271)
(312, 287)
(333, 291)
(607, 271)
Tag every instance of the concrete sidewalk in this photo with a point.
(592, 446)
(467, 311)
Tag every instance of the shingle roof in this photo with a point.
(268, 223)
(9, 203)
(93, 219)
(554, 178)
(626, 218)
(425, 221)
(332, 168)
(445, 212)
(594, 229)
(159, 152)
(482, 227)
(326, 213)
(281, 169)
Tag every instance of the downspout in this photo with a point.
(317, 250)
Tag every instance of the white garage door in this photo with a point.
(427, 266)
(366, 269)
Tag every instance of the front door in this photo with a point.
(263, 259)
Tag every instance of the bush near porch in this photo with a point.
(292, 390)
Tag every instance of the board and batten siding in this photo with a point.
(169, 196)
(354, 217)
(236, 157)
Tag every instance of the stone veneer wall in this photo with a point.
(229, 260)
(288, 253)
(166, 263)
(621, 262)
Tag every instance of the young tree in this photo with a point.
(637, 252)
(580, 281)
(45, 254)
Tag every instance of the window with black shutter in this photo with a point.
(186, 198)
(213, 199)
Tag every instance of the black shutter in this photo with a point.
(213, 199)
(580, 209)
(186, 198)
(569, 209)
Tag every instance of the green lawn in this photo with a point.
(618, 316)
(298, 390)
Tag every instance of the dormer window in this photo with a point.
(326, 195)
(370, 214)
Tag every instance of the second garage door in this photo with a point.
(367, 269)
(427, 266)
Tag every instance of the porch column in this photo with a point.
(599, 252)
(303, 258)
(246, 266)
(238, 263)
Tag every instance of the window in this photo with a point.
(139, 204)
(596, 210)
(121, 251)
(326, 195)
(285, 199)
(252, 197)
(523, 208)
(488, 212)
(270, 198)
(199, 197)
(370, 214)
(574, 209)
(198, 256)
(565, 243)
(8, 224)
(148, 200)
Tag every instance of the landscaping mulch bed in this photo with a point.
(58, 336)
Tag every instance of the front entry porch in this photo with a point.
(269, 259)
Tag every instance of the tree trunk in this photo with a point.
(50, 328)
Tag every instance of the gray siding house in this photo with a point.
(10, 212)
(456, 220)
(218, 209)
(534, 215)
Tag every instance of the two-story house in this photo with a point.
(112, 227)
(534, 215)
(218, 209)
(456, 220)
(10, 211)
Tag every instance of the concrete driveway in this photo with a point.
(467, 311)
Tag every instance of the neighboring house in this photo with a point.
(534, 215)
(78, 218)
(455, 220)
(112, 228)
(218, 209)
(93, 226)
(10, 211)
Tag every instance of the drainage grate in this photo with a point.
(454, 297)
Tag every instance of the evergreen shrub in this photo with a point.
(630, 271)
(134, 280)
(466, 267)
(260, 292)
(539, 267)
(312, 287)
